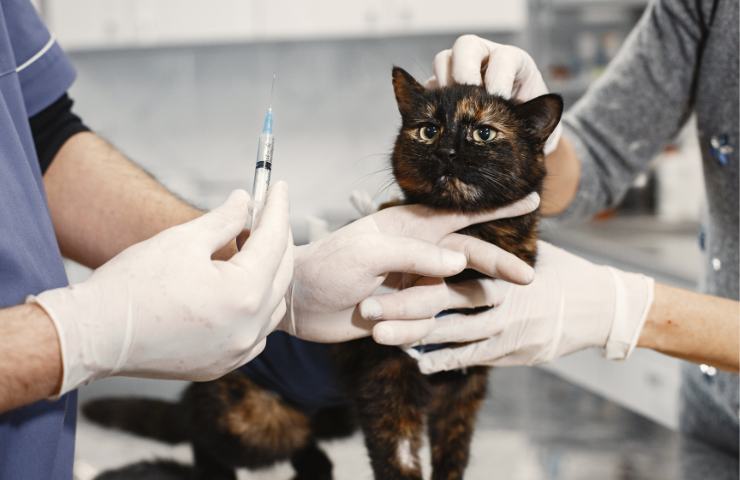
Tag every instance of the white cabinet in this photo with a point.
(332, 18)
(81, 24)
(648, 383)
(99, 24)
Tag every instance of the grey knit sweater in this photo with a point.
(681, 58)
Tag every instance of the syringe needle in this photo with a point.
(272, 87)
(264, 162)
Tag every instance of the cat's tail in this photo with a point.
(150, 470)
(146, 417)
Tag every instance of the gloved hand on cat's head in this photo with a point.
(504, 70)
(163, 309)
(572, 304)
(335, 274)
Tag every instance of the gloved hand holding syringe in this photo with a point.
(264, 163)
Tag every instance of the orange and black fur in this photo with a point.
(458, 148)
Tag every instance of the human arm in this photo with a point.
(612, 133)
(693, 326)
(31, 366)
(163, 308)
(575, 304)
(101, 203)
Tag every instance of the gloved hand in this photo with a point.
(509, 72)
(163, 309)
(336, 273)
(572, 304)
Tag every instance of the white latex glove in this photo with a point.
(572, 304)
(509, 72)
(163, 309)
(336, 273)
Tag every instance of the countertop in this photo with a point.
(534, 426)
(667, 251)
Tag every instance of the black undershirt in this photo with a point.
(53, 126)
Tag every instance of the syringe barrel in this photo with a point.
(261, 175)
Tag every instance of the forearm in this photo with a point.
(695, 327)
(561, 182)
(30, 359)
(101, 202)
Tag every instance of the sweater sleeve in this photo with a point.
(638, 105)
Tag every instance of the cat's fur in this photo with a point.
(232, 422)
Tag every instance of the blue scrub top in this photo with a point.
(36, 441)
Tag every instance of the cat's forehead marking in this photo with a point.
(429, 110)
(466, 108)
(495, 114)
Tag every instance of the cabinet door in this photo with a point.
(462, 16)
(81, 24)
(341, 18)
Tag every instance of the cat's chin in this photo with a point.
(451, 192)
(448, 193)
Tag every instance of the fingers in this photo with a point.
(526, 205)
(430, 296)
(363, 202)
(444, 223)
(552, 141)
(264, 249)
(222, 224)
(459, 327)
(432, 225)
(250, 354)
(394, 332)
(490, 259)
(452, 358)
(468, 56)
(424, 300)
(388, 253)
(442, 70)
(509, 71)
(283, 276)
(277, 315)
(504, 70)
(431, 83)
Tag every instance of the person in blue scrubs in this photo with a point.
(172, 296)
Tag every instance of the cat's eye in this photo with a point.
(428, 132)
(484, 134)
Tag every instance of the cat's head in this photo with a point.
(461, 148)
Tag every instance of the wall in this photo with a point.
(191, 116)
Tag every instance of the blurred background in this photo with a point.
(181, 87)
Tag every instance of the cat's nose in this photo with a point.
(447, 153)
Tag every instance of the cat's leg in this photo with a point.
(236, 423)
(389, 394)
(311, 463)
(456, 399)
(208, 467)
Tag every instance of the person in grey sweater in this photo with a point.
(681, 58)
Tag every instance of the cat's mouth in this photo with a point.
(455, 190)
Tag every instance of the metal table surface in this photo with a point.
(569, 433)
(534, 426)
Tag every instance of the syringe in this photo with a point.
(264, 163)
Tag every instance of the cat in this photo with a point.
(458, 148)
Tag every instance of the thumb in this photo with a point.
(222, 224)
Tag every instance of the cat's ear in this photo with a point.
(541, 115)
(408, 91)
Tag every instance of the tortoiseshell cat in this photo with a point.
(458, 148)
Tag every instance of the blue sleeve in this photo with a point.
(44, 71)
